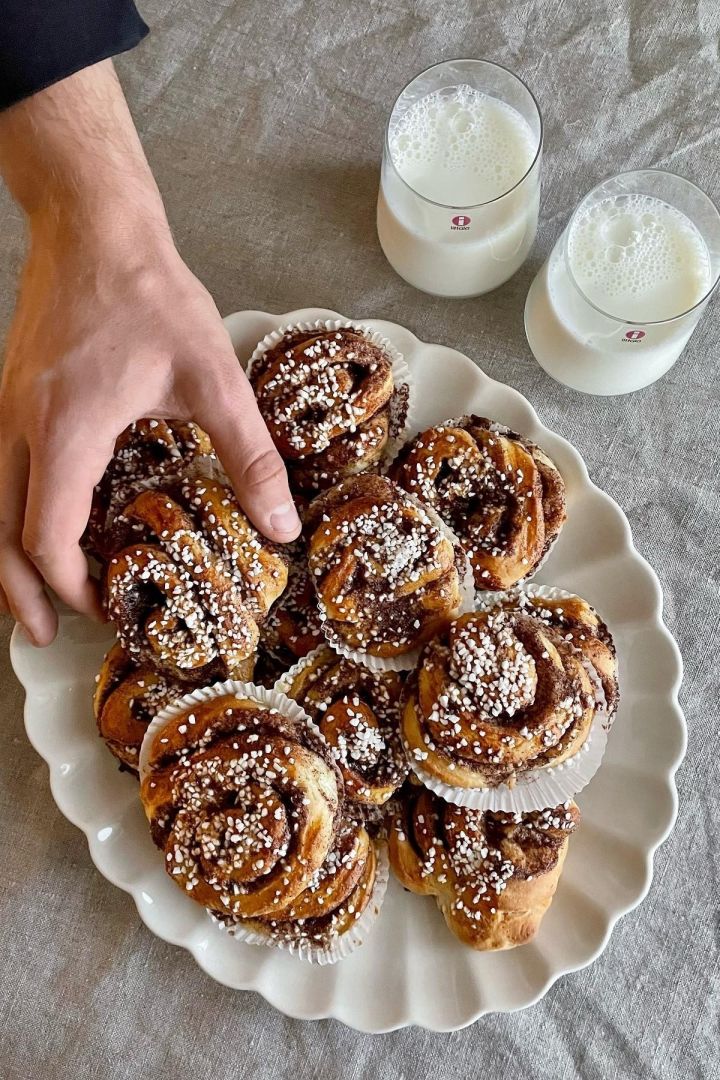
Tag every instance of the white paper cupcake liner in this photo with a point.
(535, 789)
(285, 681)
(269, 699)
(402, 375)
(344, 944)
(407, 661)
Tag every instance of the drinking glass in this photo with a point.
(587, 347)
(451, 246)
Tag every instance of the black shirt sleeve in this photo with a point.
(43, 41)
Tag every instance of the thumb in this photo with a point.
(248, 455)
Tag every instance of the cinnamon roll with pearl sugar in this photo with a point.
(189, 594)
(507, 691)
(243, 799)
(501, 494)
(386, 576)
(493, 874)
(148, 454)
(246, 802)
(330, 399)
(358, 712)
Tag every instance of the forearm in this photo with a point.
(72, 159)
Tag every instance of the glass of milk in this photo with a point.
(460, 181)
(625, 285)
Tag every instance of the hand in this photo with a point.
(110, 326)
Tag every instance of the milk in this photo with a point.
(636, 257)
(596, 314)
(454, 218)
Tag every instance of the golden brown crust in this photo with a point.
(358, 712)
(128, 696)
(148, 454)
(325, 396)
(244, 802)
(386, 578)
(507, 690)
(333, 901)
(493, 874)
(501, 494)
(189, 598)
(292, 628)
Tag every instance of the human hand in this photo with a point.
(110, 326)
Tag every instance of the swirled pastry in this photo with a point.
(493, 874)
(293, 628)
(335, 899)
(329, 401)
(501, 494)
(148, 454)
(188, 596)
(358, 712)
(128, 696)
(386, 578)
(244, 802)
(511, 689)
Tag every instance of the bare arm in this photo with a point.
(110, 326)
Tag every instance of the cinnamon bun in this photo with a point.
(147, 454)
(128, 696)
(245, 803)
(386, 577)
(493, 874)
(509, 689)
(358, 712)
(329, 401)
(189, 594)
(501, 494)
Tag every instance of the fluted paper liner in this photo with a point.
(407, 661)
(285, 681)
(400, 370)
(269, 699)
(275, 699)
(535, 789)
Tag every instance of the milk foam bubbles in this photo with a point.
(460, 146)
(638, 258)
(459, 193)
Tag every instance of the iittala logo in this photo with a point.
(634, 335)
(460, 223)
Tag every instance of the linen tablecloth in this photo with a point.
(263, 123)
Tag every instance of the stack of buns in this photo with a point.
(388, 685)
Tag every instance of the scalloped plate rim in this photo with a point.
(340, 1010)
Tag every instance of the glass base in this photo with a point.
(580, 366)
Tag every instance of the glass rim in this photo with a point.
(618, 318)
(486, 202)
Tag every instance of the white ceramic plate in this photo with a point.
(411, 970)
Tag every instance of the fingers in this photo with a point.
(23, 592)
(257, 472)
(59, 496)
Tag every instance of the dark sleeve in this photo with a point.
(43, 41)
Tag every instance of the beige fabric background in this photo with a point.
(263, 123)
